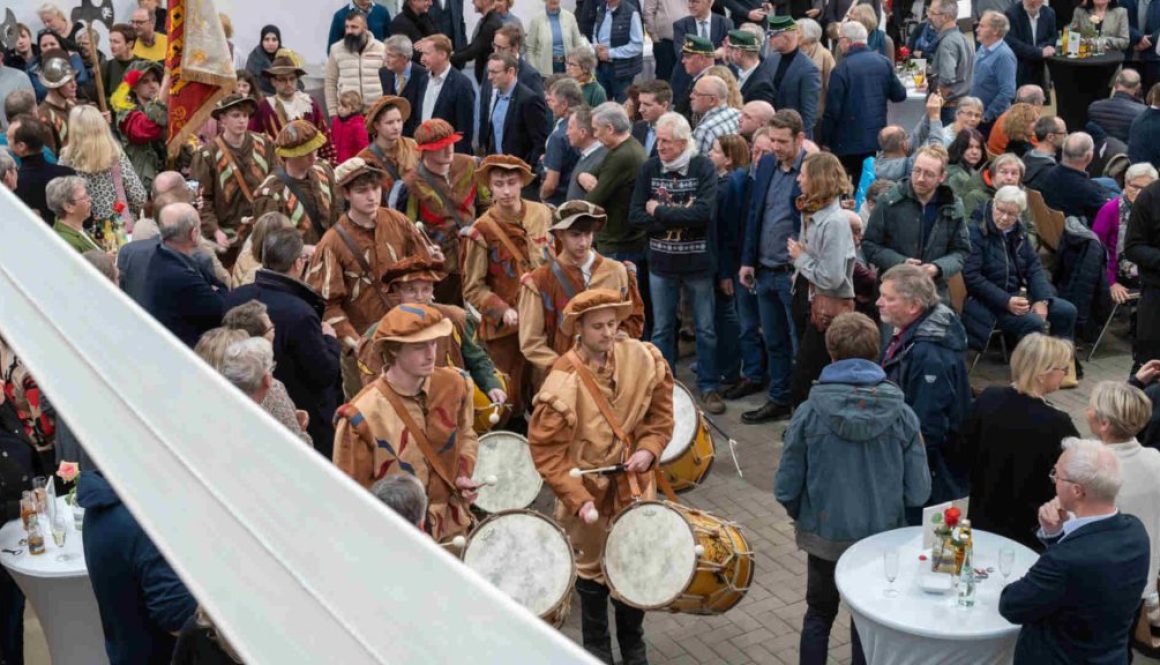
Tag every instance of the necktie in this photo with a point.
(1142, 16)
(400, 83)
(704, 29)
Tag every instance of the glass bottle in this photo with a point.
(967, 580)
(27, 507)
(35, 537)
(963, 544)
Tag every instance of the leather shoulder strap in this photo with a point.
(521, 263)
(238, 175)
(382, 157)
(433, 460)
(362, 261)
(448, 205)
(561, 277)
(311, 209)
(589, 383)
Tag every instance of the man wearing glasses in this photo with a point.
(1049, 136)
(150, 44)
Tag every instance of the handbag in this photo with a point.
(824, 309)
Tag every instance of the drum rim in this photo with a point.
(692, 435)
(566, 597)
(540, 479)
(604, 559)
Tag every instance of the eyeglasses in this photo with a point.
(999, 213)
(1055, 477)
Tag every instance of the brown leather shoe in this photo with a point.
(712, 402)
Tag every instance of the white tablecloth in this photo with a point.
(907, 114)
(59, 591)
(920, 628)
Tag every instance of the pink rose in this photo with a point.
(68, 471)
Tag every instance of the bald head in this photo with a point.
(1128, 80)
(754, 116)
(892, 141)
(1030, 94)
(180, 226)
(1078, 150)
(168, 181)
(709, 93)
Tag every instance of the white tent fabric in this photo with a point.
(296, 562)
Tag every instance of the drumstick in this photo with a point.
(591, 516)
(731, 440)
(458, 542)
(490, 480)
(578, 472)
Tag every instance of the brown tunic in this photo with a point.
(371, 441)
(448, 350)
(567, 430)
(321, 190)
(355, 299)
(218, 167)
(56, 117)
(403, 157)
(544, 294)
(424, 205)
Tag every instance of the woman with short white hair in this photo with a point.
(1111, 225)
(70, 203)
(811, 45)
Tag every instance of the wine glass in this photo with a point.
(890, 568)
(1006, 561)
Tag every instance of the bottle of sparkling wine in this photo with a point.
(967, 579)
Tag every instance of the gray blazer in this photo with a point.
(1115, 29)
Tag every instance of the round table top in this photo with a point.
(47, 564)
(1103, 59)
(861, 581)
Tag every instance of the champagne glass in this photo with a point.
(58, 530)
(1006, 561)
(39, 491)
(890, 568)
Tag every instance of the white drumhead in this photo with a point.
(524, 555)
(506, 456)
(686, 419)
(649, 558)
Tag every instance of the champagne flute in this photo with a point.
(1006, 562)
(58, 530)
(890, 568)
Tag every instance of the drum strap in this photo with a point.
(433, 460)
(606, 410)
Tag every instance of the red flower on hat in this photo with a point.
(132, 77)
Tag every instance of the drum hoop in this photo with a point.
(697, 426)
(505, 434)
(692, 572)
(567, 595)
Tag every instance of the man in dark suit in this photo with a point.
(796, 78)
(179, 295)
(696, 59)
(655, 100)
(481, 40)
(1116, 113)
(402, 76)
(746, 11)
(1032, 47)
(1143, 38)
(509, 39)
(26, 140)
(701, 22)
(447, 94)
(306, 349)
(447, 15)
(754, 74)
(1078, 603)
(414, 21)
(514, 120)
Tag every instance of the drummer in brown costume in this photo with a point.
(508, 240)
(304, 188)
(390, 151)
(348, 265)
(441, 196)
(631, 380)
(288, 103)
(545, 291)
(415, 419)
(412, 281)
(231, 169)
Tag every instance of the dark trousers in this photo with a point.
(665, 57)
(11, 621)
(811, 357)
(640, 260)
(594, 625)
(821, 608)
(1146, 346)
(728, 327)
(853, 165)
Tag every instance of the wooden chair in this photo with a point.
(957, 290)
(1048, 223)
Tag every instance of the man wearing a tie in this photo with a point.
(706, 26)
(402, 76)
(697, 57)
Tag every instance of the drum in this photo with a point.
(506, 456)
(661, 555)
(528, 557)
(484, 409)
(686, 459)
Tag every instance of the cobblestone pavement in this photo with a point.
(765, 627)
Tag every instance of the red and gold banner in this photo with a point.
(200, 67)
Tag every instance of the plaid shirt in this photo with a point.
(716, 123)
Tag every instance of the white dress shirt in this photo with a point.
(434, 87)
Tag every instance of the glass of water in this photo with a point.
(1006, 561)
(890, 569)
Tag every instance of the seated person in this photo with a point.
(1067, 187)
(1006, 284)
(1112, 223)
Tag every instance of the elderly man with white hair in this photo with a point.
(1067, 186)
(674, 204)
(8, 170)
(249, 365)
(710, 103)
(1078, 602)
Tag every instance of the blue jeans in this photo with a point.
(666, 296)
(775, 306)
(616, 88)
(728, 328)
(752, 347)
(640, 260)
(1060, 314)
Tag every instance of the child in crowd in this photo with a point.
(350, 131)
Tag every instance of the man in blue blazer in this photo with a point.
(447, 15)
(1078, 602)
(796, 78)
(447, 93)
(1032, 48)
(701, 20)
(1143, 40)
(400, 68)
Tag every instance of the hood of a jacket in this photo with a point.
(890, 168)
(854, 400)
(93, 491)
(940, 326)
(944, 195)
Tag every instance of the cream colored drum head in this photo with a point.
(506, 456)
(525, 555)
(650, 555)
(686, 419)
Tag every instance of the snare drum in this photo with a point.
(506, 456)
(528, 557)
(686, 459)
(661, 555)
(484, 409)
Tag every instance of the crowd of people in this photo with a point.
(523, 218)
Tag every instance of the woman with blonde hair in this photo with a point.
(1011, 440)
(877, 40)
(250, 256)
(722, 72)
(824, 261)
(118, 194)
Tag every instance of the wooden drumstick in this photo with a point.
(458, 542)
(578, 472)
